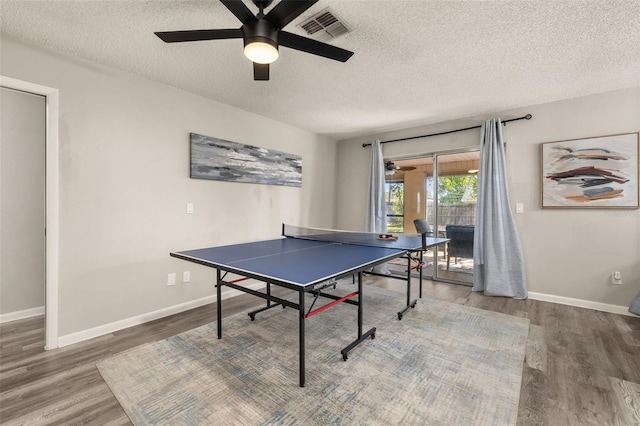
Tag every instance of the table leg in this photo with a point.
(359, 305)
(408, 279)
(410, 304)
(421, 267)
(219, 301)
(253, 313)
(361, 337)
(301, 337)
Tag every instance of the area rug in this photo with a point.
(443, 364)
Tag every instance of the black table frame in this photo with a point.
(221, 273)
(419, 257)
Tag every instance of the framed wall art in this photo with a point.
(219, 159)
(600, 172)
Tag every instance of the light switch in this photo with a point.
(189, 208)
(519, 208)
(171, 279)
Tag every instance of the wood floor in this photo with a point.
(582, 367)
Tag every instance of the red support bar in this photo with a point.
(418, 264)
(239, 279)
(327, 306)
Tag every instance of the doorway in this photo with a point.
(441, 188)
(22, 201)
(51, 206)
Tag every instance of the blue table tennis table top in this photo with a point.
(303, 262)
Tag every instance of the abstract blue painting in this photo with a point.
(219, 159)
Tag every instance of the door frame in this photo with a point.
(435, 174)
(52, 207)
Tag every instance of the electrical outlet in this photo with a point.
(186, 276)
(190, 208)
(171, 279)
(616, 278)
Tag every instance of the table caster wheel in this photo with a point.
(344, 357)
(253, 317)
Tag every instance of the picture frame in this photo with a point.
(595, 172)
(218, 159)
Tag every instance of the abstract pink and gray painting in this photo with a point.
(219, 159)
(593, 172)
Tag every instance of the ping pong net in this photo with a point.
(370, 239)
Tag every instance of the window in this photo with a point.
(458, 189)
(394, 193)
(457, 196)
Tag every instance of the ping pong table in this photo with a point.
(308, 260)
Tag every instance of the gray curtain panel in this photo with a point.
(376, 220)
(635, 305)
(376, 207)
(499, 268)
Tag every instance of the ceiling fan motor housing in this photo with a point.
(261, 31)
(262, 4)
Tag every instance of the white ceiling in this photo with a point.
(415, 63)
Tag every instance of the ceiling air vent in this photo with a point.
(324, 26)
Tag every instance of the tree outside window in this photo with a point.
(457, 189)
(394, 192)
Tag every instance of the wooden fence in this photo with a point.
(454, 214)
(448, 214)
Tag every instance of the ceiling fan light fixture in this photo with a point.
(260, 41)
(261, 51)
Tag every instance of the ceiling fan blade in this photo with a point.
(314, 47)
(198, 35)
(288, 10)
(239, 9)
(260, 72)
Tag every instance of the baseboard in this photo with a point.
(604, 307)
(18, 315)
(91, 333)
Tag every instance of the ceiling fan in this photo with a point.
(390, 168)
(262, 34)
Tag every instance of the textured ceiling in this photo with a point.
(415, 63)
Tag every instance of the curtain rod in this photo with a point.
(525, 117)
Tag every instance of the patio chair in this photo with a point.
(461, 242)
(423, 227)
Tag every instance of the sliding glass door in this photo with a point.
(455, 197)
(441, 188)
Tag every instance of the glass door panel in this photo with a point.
(409, 198)
(455, 199)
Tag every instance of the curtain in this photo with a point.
(499, 268)
(376, 220)
(635, 305)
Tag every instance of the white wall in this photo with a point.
(569, 253)
(124, 184)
